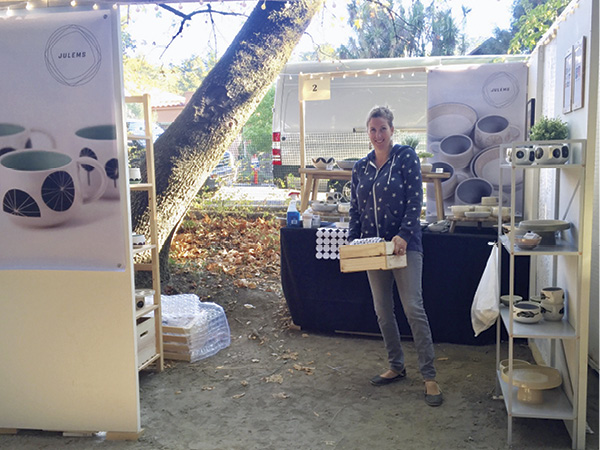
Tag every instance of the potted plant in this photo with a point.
(413, 141)
(549, 129)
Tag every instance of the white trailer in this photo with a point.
(337, 127)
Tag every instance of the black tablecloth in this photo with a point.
(322, 298)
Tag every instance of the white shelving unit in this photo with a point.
(568, 401)
(149, 318)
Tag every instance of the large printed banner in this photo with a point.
(472, 110)
(59, 161)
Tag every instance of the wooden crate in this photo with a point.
(146, 339)
(377, 256)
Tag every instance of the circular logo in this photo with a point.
(73, 55)
(500, 89)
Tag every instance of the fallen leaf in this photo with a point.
(236, 396)
(207, 388)
(275, 378)
(281, 395)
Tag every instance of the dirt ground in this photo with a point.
(277, 387)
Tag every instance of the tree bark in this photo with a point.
(192, 145)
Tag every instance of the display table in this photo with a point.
(322, 298)
(309, 189)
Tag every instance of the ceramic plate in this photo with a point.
(545, 225)
(477, 214)
(536, 377)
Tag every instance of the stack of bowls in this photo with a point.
(553, 303)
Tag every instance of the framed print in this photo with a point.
(578, 73)
(567, 84)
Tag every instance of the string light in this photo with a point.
(29, 6)
(95, 6)
(73, 3)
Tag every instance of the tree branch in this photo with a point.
(189, 16)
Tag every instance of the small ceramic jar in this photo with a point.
(552, 311)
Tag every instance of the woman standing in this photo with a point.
(387, 195)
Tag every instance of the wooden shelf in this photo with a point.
(556, 404)
(153, 266)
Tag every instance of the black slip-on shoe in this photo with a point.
(381, 381)
(434, 400)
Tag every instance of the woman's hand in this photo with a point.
(399, 245)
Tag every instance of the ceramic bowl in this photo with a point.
(552, 311)
(505, 299)
(346, 164)
(460, 210)
(536, 298)
(319, 206)
(504, 210)
(516, 363)
(553, 294)
(527, 312)
(323, 163)
(343, 208)
(489, 201)
(527, 243)
(138, 240)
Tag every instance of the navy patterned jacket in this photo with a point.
(387, 202)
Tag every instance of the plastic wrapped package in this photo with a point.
(193, 330)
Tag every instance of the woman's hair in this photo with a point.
(383, 112)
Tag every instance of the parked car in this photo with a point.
(224, 174)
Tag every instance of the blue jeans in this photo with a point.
(408, 282)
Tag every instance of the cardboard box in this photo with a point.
(377, 256)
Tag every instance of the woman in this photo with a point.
(387, 195)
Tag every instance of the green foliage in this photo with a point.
(385, 29)
(410, 139)
(549, 129)
(258, 128)
(535, 21)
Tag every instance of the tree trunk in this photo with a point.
(190, 148)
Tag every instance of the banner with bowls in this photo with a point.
(59, 159)
(472, 110)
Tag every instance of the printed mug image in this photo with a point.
(13, 137)
(98, 142)
(41, 188)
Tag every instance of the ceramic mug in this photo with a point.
(13, 137)
(100, 143)
(41, 188)
(493, 130)
(521, 156)
(552, 311)
(456, 149)
(552, 154)
(135, 175)
(554, 295)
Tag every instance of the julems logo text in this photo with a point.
(72, 55)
